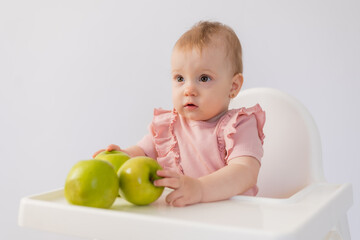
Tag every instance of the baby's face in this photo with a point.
(201, 81)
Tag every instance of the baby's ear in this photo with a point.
(237, 82)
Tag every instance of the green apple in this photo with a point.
(116, 158)
(136, 180)
(92, 183)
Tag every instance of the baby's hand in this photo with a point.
(109, 148)
(187, 190)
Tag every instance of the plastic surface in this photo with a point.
(294, 201)
(309, 212)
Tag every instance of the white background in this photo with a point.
(76, 76)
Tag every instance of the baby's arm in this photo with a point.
(132, 151)
(240, 175)
(233, 179)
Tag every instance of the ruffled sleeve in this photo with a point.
(242, 133)
(163, 146)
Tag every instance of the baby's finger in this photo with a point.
(179, 202)
(97, 152)
(113, 147)
(173, 196)
(173, 183)
(167, 174)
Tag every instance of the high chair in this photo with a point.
(294, 200)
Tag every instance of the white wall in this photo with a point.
(78, 75)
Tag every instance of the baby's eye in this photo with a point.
(205, 78)
(179, 78)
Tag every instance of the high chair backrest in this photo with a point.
(292, 148)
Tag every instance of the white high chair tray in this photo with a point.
(240, 217)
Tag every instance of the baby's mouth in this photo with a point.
(190, 106)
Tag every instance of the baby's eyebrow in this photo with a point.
(207, 70)
(175, 71)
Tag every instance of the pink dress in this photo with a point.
(198, 148)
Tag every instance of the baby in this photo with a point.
(208, 152)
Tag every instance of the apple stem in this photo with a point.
(151, 179)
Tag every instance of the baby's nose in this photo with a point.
(190, 90)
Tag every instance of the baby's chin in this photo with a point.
(192, 116)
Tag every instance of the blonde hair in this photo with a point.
(200, 35)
